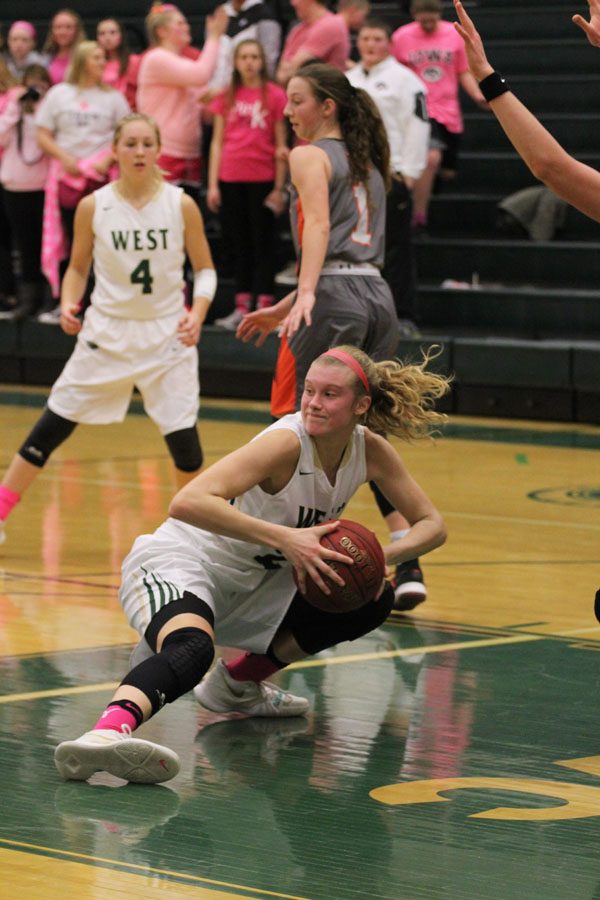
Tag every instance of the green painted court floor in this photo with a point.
(284, 808)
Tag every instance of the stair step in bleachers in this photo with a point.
(522, 21)
(572, 93)
(504, 171)
(474, 215)
(577, 132)
(531, 312)
(513, 57)
(503, 262)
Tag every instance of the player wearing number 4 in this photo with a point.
(221, 568)
(137, 332)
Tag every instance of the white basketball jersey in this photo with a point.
(248, 586)
(138, 254)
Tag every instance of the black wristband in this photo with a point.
(493, 86)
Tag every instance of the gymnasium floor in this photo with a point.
(454, 753)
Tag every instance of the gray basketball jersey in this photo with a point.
(357, 216)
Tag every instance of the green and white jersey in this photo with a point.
(138, 254)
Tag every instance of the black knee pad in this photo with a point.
(47, 434)
(385, 507)
(185, 449)
(185, 658)
(316, 630)
(189, 652)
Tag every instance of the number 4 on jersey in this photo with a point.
(141, 275)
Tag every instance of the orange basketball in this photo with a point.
(362, 580)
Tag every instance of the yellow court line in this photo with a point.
(121, 864)
(328, 661)
(60, 692)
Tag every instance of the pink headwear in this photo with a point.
(352, 363)
(22, 25)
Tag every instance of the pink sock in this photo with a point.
(264, 301)
(8, 500)
(115, 717)
(243, 301)
(419, 219)
(251, 667)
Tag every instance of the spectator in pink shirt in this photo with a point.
(318, 35)
(246, 176)
(170, 89)
(433, 49)
(65, 33)
(23, 175)
(119, 61)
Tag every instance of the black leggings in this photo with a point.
(249, 230)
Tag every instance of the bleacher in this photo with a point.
(524, 340)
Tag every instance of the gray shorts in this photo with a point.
(349, 309)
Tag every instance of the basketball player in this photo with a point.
(137, 332)
(337, 207)
(221, 567)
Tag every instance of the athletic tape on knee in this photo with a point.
(184, 659)
(47, 434)
(185, 449)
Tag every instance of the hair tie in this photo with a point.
(352, 363)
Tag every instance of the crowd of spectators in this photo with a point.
(59, 105)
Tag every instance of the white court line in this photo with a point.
(513, 520)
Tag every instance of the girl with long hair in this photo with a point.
(66, 32)
(120, 63)
(246, 176)
(339, 181)
(220, 569)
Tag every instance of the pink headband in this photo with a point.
(352, 363)
(24, 26)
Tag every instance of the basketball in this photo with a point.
(362, 579)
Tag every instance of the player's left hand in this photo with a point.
(478, 62)
(189, 328)
(300, 312)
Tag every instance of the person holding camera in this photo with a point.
(23, 173)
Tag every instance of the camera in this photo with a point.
(30, 94)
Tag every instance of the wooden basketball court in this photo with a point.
(453, 753)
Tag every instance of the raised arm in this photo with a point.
(567, 177)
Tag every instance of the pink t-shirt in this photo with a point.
(57, 68)
(438, 59)
(248, 152)
(327, 38)
(169, 90)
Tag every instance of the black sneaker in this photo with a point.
(407, 583)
